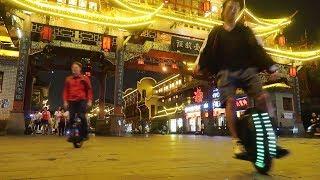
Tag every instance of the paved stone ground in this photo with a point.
(139, 158)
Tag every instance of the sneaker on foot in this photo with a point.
(238, 148)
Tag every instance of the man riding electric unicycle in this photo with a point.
(232, 53)
(77, 97)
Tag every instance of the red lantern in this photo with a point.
(140, 61)
(46, 34)
(106, 43)
(174, 66)
(206, 6)
(293, 71)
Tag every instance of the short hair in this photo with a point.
(77, 63)
(241, 2)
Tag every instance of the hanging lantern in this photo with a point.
(206, 6)
(174, 66)
(293, 71)
(46, 33)
(282, 40)
(166, 1)
(106, 43)
(141, 61)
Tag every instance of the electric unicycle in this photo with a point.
(74, 135)
(257, 135)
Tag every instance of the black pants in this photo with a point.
(79, 109)
(61, 127)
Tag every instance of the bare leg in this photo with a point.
(263, 103)
(231, 116)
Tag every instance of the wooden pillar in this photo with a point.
(102, 94)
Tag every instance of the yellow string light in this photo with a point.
(276, 85)
(70, 13)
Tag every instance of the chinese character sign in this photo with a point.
(22, 68)
(119, 79)
(185, 45)
(198, 96)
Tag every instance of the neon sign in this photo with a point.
(242, 102)
(198, 95)
(215, 94)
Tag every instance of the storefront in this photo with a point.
(193, 118)
(176, 125)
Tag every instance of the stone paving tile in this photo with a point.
(144, 158)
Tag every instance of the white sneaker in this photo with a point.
(238, 148)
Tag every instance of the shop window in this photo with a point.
(93, 6)
(144, 94)
(287, 104)
(1, 81)
(73, 2)
(83, 3)
(153, 110)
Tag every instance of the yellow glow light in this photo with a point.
(85, 16)
(166, 80)
(276, 85)
(9, 53)
(295, 58)
(175, 109)
(130, 93)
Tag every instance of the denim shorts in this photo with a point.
(247, 79)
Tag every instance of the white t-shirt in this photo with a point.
(66, 115)
(57, 116)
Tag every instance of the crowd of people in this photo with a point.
(42, 122)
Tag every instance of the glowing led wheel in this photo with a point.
(256, 133)
(265, 142)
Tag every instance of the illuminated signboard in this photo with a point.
(242, 103)
(192, 108)
(215, 94)
(216, 104)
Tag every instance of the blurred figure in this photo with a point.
(314, 118)
(57, 117)
(38, 117)
(62, 123)
(77, 96)
(45, 120)
(233, 54)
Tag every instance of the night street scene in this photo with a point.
(159, 89)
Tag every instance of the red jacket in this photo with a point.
(77, 88)
(46, 115)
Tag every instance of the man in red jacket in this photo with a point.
(77, 96)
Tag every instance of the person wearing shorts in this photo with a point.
(233, 54)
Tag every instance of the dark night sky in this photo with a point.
(308, 17)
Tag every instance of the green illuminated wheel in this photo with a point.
(265, 167)
(265, 142)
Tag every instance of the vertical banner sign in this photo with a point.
(185, 45)
(118, 99)
(22, 68)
